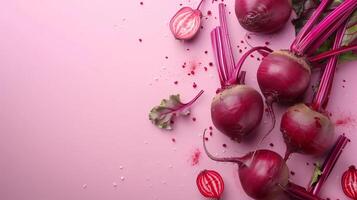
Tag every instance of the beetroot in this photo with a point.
(210, 184)
(306, 131)
(291, 76)
(264, 174)
(262, 16)
(186, 23)
(283, 76)
(237, 108)
(349, 182)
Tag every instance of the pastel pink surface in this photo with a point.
(76, 86)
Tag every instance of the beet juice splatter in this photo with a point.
(345, 121)
(195, 157)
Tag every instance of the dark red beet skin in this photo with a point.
(262, 16)
(291, 76)
(306, 131)
(237, 110)
(261, 177)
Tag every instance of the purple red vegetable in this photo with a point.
(349, 182)
(263, 16)
(307, 129)
(237, 108)
(210, 184)
(186, 23)
(264, 175)
(284, 75)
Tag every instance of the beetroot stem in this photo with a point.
(333, 52)
(272, 117)
(222, 54)
(326, 35)
(231, 159)
(242, 59)
(184, 105)
(310, 23)
(321, 98)
(226, 40)
(263, 53)
(199, 5)
(329, 164)
(194, 99)
(218, 57)
(299, 192)
(345, 8)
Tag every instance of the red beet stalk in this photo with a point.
(329, 164)
(321, 98)
(310, 23)
(337, 16)
(300, 193)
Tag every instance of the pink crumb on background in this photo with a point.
(77, 81)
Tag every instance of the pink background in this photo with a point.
(76, 86)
